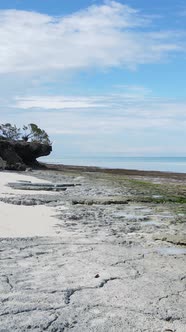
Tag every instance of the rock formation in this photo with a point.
(18, 155)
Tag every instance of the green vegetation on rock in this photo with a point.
(31, 133)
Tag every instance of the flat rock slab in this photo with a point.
(52, 284)
(39, 186)
(102, 200)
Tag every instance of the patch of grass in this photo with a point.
(180, 212)
(159, 200)
(143, 183)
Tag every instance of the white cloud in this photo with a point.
(56, 102)
(124, 101)
(131, 121)
(101, 36)
(126, 95)
(133, 108)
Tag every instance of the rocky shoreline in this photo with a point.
(116, 263)
(114, 171)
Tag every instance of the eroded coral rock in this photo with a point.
(17, 155)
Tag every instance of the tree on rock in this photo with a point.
(10, 132)
(33, 133)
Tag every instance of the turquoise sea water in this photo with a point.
(168, 164)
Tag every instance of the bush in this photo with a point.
(9, 132)
(31, 133)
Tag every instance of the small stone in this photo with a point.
(28, 169)
(97, 275)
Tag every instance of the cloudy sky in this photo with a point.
(102, 78)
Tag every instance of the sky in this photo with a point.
(103, 78)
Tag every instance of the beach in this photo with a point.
(106, 254)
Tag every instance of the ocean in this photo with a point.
(167, 164)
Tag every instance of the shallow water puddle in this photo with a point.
(129, 216)
(171, 251)
(152, 222)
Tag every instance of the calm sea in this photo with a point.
(169, 164)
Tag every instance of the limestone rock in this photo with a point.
(17, 155)
(2, 163)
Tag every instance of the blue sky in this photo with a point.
(101, 77)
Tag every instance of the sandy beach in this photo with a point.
(20, 220)
(107, 254)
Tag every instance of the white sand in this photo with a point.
(20, 220)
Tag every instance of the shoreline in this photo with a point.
(114, 171)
